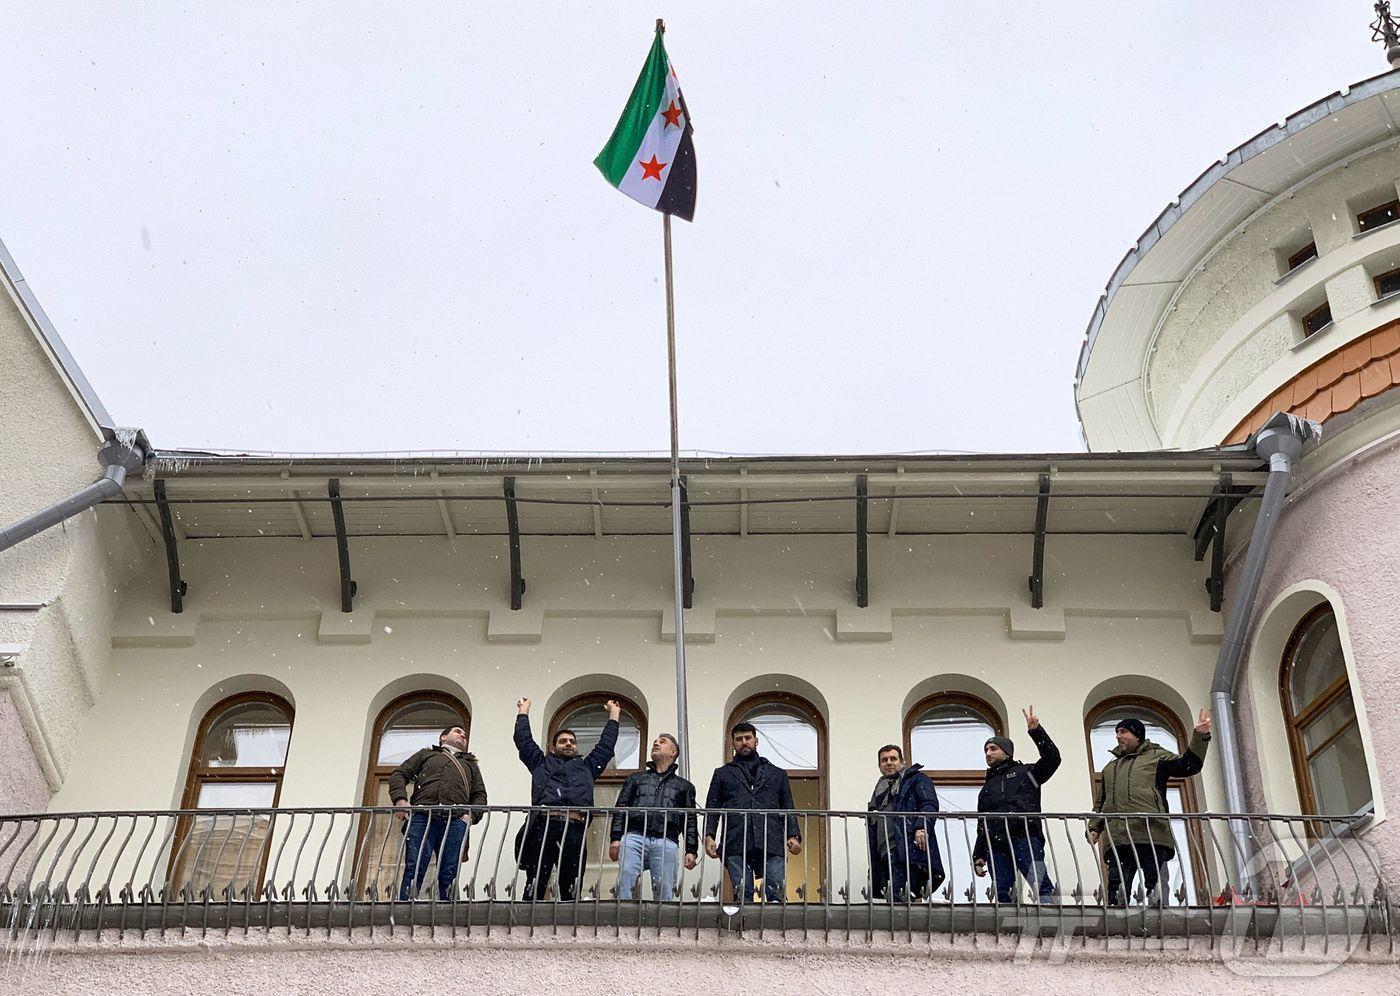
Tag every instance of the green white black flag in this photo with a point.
(650, 156)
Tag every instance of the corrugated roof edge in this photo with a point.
(67, 366)
(1264, 140)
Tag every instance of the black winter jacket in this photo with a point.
(437, 780)
(560, 781)
(1013, 787)
(650, 789)
(730, 789)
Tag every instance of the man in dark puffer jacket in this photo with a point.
(1015, 842)
(649, 842)
(445, 775)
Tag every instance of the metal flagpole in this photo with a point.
(682, 716)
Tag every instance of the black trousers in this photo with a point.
(1124, 861)
(556, 839)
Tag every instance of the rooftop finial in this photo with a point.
(1384, 29)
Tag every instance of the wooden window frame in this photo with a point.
(610, 775)
(1170, 719)
(1295, 722)
(791, 701)
(1190, 803)
(820, 775)
(374, 771)
(1324, 306)
(952, 776)
(1303, 255)
(1392, 206)
(198, 774)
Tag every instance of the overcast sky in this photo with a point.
(362, 227)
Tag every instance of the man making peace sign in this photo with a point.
(1014, 842)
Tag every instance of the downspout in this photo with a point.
(124, 453)
(1280, 441)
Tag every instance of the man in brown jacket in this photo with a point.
(445, 775)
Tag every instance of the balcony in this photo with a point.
(1273, 882)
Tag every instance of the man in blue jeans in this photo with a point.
(754, 843)
(646, 840)
(444, 775)
(1013, 840)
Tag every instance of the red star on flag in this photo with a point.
(651, 170)
(672, 115)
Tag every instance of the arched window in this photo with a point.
(945, 733)
(1329, 760)
(1167, 731)
(792, 735)
(403, 727)
(586, 715)
(239, 755)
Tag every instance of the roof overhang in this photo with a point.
(1110, 388)
(222, 497)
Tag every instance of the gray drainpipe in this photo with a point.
(123, 453)
(1281, 440)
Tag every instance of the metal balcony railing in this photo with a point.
(1309, 881)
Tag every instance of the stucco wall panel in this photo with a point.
(23, 788)
(259, 607)
(49, 451)
(590, 966)
(1240, 274)
(1244, 366)
(1342, 533)
(74, 571)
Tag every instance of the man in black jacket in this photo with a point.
(1014, 842)
(753, 842)
(562, 781)
(649, 840)
(445, 775)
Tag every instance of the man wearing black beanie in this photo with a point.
(1014, 842)
(1135, 781)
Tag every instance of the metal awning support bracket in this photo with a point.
(517, 583)
(348, 587)
(1220, 514)
(687, 575)
(178, 588)
(1036, 582)
(862, 541)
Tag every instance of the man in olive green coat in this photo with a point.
(1135, 781)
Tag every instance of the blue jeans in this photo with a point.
(742, 869)
(1020, 854)
(441, 837)
(657, 855)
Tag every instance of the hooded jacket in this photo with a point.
(1136, 782)
(1013, 787)
(437, 780)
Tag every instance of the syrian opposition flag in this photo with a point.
(650, 156)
